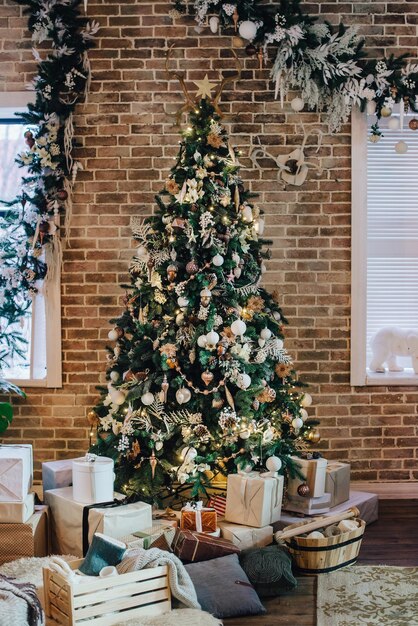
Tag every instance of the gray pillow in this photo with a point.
(223, 588)
(269, 569)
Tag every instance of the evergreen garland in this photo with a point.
(326, 65)
(30, 230)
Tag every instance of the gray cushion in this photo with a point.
(269, 570)
(223, 588)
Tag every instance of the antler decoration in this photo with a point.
(191, 101)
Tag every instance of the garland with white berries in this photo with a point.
(324, 64)
(30, 249)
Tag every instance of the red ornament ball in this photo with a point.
(62, 194)
(192, 267)
(303, 490)
(413, 124)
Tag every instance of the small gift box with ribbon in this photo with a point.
(246, 536)
(193, 547)
(196, 517)
(254, 499)
(315, 472)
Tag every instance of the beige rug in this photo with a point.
(368, 596)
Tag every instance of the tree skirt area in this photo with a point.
(368, 596)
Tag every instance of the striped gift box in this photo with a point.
(219, 504)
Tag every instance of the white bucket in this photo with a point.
(93, 479)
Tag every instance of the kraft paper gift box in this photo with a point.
(16, 472)
(337, 482)
(253, 499)
(67, 520)
(17, 512)
(57, 474)
(149, 535)
(196, 517)
(192, 547)
(246, 536)
(309, 506)
(315, 472)
(24, 540)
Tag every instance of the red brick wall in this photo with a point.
(128, 144)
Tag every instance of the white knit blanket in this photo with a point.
(181, 584)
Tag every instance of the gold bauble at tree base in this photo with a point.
(314, 436)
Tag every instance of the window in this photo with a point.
(40, 365)
(384, 244)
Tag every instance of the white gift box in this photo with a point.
(245, 536)
(17, 512)
(93, 479)
(337, 482)
(16, 472)
(253, 499)
(315, 471)
(309, 506)
(57, 474)
(67, 520)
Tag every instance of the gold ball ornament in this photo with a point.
(207, 377)
(171, 272)
(386, 112)
(314, 436)
(238, 42)
(92, 418)
(303, 490)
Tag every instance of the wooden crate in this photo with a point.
(320, 556)
(106, 601)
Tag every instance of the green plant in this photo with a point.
(6, 409)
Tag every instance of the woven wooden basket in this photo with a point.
(319, 556)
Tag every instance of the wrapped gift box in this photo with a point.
(309, 506)
(57, 474)
(168, 516)
(17, 512)
(28, 539)
(246, 536)
(219, 504)
(253, 499)
(193, 547)
(337, 482)
(315, 471)
(67, 520)
(16, 472)
(198, 518)
(149, 535)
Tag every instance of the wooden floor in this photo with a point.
(392, 540)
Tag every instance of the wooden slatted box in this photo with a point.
(106, 601)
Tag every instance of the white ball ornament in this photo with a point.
(202, 341)
(238, 327)
(113, 335)
(297, 423)
(237, 272)
(245, 434)
(147, 398)
(304, 415)
(297, 105)
(114, 376)
(244, 381)
(306, 400)
(180, 396)
(158, 445)
(248, 30)
(182, 302)
(247, 214)
(188, 454)
(259, 227)
(277, 316)
(142, 252)
(214, 24)
(265, 333)
(401, 147)
(118, 397)
(218, 260)
(263, 268)
(261, 343)
(394, 123)
(273, 464)
(212, 338)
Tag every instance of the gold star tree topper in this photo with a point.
(204, 87)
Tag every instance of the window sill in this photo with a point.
(34, 382)
(407, 377)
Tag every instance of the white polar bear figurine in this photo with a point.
(388, 343)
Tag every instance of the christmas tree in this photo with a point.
(199, 381)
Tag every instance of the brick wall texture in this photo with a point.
(127, 144)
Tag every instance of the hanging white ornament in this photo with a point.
(259, 226)
(273, 463)
(212, 338)
(268, 435)
(182, 302)
(306, 400)
(205, 296)
(218, 260)
(113, 335)
(114, 376)
(263, 268)
(279, 344)
(179, 319)
(261, 343)
(202, 341)
(243, 381)
(401, 147)
(247, 214)
(237, 272)
(297, 423)
(142, 252)
(188, 454)
(297, 104)
(371, 107)
(248, 30)
(245, 434)
(277, 316)
(159, 445)
(214, 24)
(265, 333)
(304, 415)
(197, 156)
(183, 395)
(118, 397)
(147, 398)
(238, 327)
(394, 123)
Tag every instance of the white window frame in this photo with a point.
(10, 103)
(359, 375)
